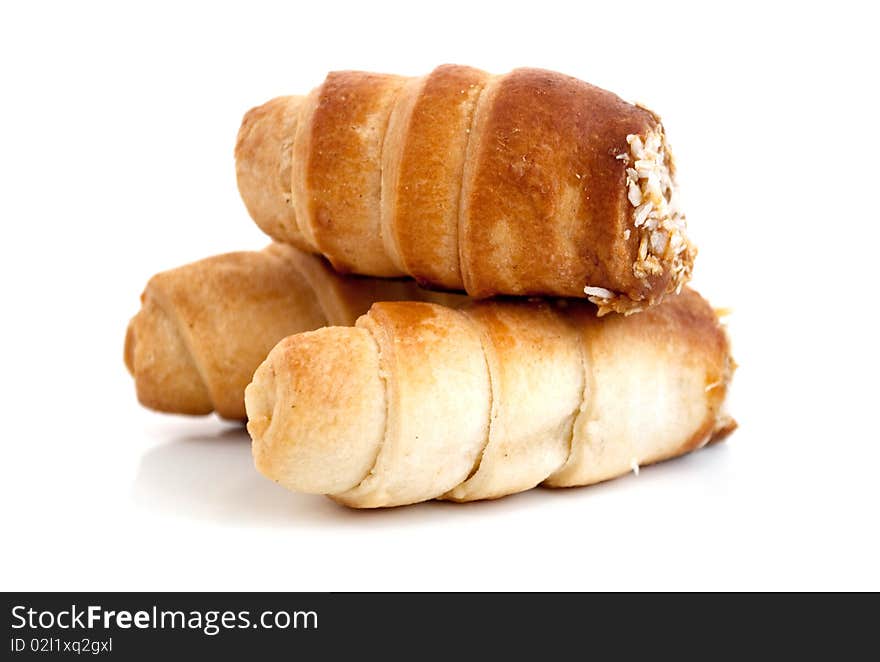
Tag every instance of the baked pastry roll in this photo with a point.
(527, 183)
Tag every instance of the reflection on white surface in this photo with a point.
(211, 477)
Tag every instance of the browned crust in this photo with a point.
(128, 351)
(724, 428)
(342, 165)
(534, 161)
(544, 204)
(345, 298)
(425, 152)
(165, 373)
(263, 153)
(205, 326)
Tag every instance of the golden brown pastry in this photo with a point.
(421, 401)
(527, 183)
(203, 328)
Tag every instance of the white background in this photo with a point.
(116, 134)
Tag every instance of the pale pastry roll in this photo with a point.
(263, 161)
(656, 385)
(488, 400)
(203, 328)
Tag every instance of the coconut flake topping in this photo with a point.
(657, 220)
